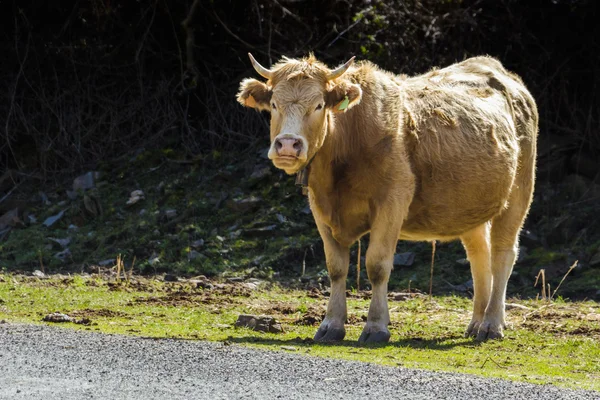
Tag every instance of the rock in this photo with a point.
(193, 254)
(44, 199)
(265, 231)
(196, 244)
(92, 204)
(31, 219)
(135, 197)
(38, 273)
(463, 287)
(171, 214)
(53, 219)
(153, 259)
(86, 181)
(259, 323)
(171, 278)
(205, 285)
(251, 285)
(522, 254)
(60, 317)
(236, 234)
(142, 212)
(404, 259)
(245, 205)
(529, 239)
(57, 317)
(10, 218)
(73, 228)
(63, 255)
(585, 164)
(61, 242)
(105, 263)
(289, 348)
(462, 261)
(282, 219)
(515, 306)
(403, 296)
(260, 172)
(595, 260)
(235, 279)
(306, 210)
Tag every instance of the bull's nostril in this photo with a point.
(298, 145)
(278, 145)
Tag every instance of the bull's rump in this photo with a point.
(465, 148)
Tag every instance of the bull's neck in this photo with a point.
(338, 148)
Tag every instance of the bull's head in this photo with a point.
(299, 94)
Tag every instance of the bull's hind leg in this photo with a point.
(337, 258)
(505, 243)
(477, 245)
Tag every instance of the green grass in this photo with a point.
(550, 343)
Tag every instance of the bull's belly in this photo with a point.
(434, 220)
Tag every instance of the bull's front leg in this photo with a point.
(380, 259)
(337, 257)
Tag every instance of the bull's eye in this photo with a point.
(273, 106)
(319, 107)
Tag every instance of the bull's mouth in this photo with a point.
(289, 164)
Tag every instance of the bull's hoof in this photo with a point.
(489, 331)
(367, 337)
(328, 334)
(473, 329)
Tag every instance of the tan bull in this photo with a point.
(441, 156)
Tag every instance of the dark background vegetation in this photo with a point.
(89, 84)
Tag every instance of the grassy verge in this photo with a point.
(550, 343)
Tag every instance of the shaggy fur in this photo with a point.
(445, 155)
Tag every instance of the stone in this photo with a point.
(265, 231)
(171, 278)
(245, 205)
(10, 218)
(462, 261)
(105, 263)
(595, 260)
(260, 172)
(64, 255)
(53, 219)
(196, 244)
(86, 181)
(171, 214)
(193, 254)
(259, 323)
(529, 239)
(64, 243)
(404, 259)
(38, 273)
(135, 197)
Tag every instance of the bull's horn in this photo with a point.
(339, 71)
(262, 71)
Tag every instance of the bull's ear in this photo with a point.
(254, 94)
(343, 96)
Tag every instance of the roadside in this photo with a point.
(52, 363)
(554, 343)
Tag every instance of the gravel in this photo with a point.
(41, 362)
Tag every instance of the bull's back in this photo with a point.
(466, 131)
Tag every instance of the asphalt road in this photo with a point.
(38, 362)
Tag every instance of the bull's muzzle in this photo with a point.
(288, 152)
